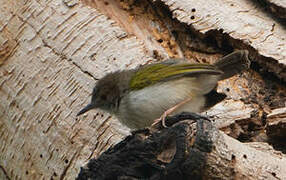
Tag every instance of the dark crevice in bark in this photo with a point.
(223, 42)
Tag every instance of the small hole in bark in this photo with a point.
(192, 17)
(231, 4)
(41, 156)
(27, 172)
(273, 174)
(227, 89)
(193, 10)
(244, 156)
(160, 40)
(155, 53)
(204, 60)
(66, 161)
(55, 174)
(106, 3)
(233, 157)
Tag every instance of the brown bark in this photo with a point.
(186, 152)
(276, 124)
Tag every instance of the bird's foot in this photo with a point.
(162, 120)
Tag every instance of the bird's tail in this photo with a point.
(233, 63)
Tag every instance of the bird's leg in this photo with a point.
(169, 111)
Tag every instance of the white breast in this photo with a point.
(140, 108)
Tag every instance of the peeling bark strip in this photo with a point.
(209, 154)
(236, 23)
(276, 124)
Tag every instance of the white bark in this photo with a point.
(50, 59)
(52, 54)
(243, 21)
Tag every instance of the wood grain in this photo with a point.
(53, 56)
(244, 23)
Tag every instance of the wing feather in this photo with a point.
(154, 73)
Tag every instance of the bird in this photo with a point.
(145, 95)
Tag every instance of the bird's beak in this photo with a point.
(85, 109)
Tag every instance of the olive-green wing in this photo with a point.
(154, 73)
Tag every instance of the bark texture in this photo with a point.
(276, 123)
(52, 55)
(276, 7)
(53, 52)
(186, 151)
(238, 23)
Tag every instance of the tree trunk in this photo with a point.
(53, 52)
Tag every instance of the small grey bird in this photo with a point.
(139, 96)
